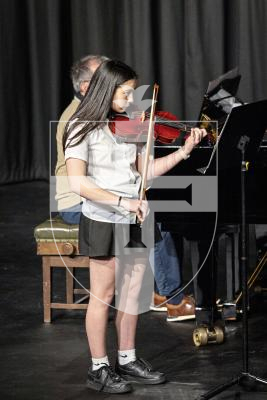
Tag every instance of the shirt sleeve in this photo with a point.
(80, 150)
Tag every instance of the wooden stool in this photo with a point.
(57, 243)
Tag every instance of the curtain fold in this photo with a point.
(181, 44)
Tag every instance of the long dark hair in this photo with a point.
(96, 104)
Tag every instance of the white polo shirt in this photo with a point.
(111, 165)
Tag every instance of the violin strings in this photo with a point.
(177, 124)
(184, 127)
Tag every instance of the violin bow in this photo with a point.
(149, 141)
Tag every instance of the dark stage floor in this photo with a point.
(49, 361)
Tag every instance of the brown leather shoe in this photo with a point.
(157, 300)
(183, 311)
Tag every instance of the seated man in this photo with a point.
(69, 203)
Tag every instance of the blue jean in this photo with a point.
(167, 272)
(71, 215)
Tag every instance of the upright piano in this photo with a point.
(199, 227)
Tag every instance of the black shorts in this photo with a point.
(104, 239)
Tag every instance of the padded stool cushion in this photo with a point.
(56, 229)
(55, 237)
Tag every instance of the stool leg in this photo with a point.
(47, 288)
(69, 285)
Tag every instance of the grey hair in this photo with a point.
(81, 71)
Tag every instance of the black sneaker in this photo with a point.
(140, 371)
(106, 380)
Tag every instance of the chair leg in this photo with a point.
(47, 288)
(69, 285)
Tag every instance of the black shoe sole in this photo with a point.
(97, 387)
(144, 381)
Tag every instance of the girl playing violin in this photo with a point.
(106, 172)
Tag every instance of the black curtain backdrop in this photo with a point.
(181, 44)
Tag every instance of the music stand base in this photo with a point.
(245, 379)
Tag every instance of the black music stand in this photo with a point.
(238, 144)
(228, 81)
(220, 97)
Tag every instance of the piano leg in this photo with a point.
(210, 327)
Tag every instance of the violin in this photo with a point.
(166, 126)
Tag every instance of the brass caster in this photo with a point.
(206, 335)
(200, 336)
(219, 334)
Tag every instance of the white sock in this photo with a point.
(99, 362)
(126, 356)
